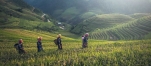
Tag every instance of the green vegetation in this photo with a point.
(100, 22)
(112, 26)
(29, 25)
(10, 8)
(98, 53)
(18, 20)
(69, 14)
(18, 14)
(75, 11)
(136, 29)
(105, 20)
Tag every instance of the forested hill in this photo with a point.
(100, 18)
(18, 14)
(75, 11)
(19, 9)
(103, 19)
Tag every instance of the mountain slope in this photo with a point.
(137, 29)
(101, 22)
(18, 14)
(20, 9)
(92, 15)
(70, 11)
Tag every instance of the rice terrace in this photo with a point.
(88, 32)
(98, 53)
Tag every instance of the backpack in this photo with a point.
(16, 46)
(55, 41)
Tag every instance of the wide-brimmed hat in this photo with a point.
(20, 41)
(59, 35)
(86, 34)
(39, 38)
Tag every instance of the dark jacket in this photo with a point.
(20, 46)
(39, 44)
(85, 40)
(58, 40)
(59, 43)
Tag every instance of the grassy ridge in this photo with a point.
(11, 8)
(115, 26)
(15, 34)
(29, 25)
(136, 29)
(18, 14)
(100, 22)
(98, 53)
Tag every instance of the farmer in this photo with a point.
(39, 44)
(82, 41)
(59, 42)
(85, 40)
(20, 47)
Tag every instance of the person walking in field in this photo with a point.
(39, 44)
(82, 41)
(20, 47)
(59, 42)
(85, 40)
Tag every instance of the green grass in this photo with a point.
(98, 53)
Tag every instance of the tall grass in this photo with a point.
(98, 53)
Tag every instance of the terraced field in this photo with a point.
(136, 29)
(98, 53)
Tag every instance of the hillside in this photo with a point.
(118, 35)
(98, 53)
(72, 11)
(13, 35)
(91, 16)
(19, 9)
(105, 26)
(136, 29)
(18, 14)
(101, 22)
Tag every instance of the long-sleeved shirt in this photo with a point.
(58, 40)
(20, 46)
(85, 40)
(39, 44)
